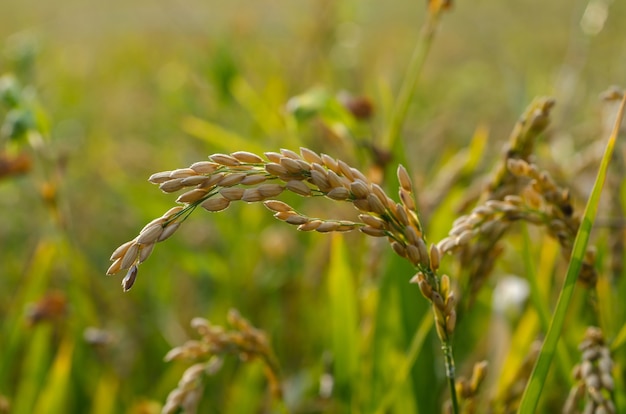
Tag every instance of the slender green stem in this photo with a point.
(450, 374)
(414, 70)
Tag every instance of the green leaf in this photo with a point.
(344, 323)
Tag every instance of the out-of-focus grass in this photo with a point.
(120, 83)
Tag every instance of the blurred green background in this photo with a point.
(119, 90)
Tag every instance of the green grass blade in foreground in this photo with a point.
(403, 371)
(344, 322)
(537, 380)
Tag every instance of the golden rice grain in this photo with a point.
(232, 193)
(299, 188)
(270, 190)
(338, 193)
(231, 179)
(278, 206)
(182, 173)
(204, 167)
(215, 204)
(376, 206)
(151, 234)
(284, 215)
(289, 154)
(320, 180)
(212, 180)
(358, 175)
(120, 251)
(399, 249)
(310, 156)
(331, 163)
(193, 180)
(400, 215)
(224, 159)
(160, 177)
(413, 254)
(115, 267)
(145, 251)
(309, 226)
(252, 195)
(253, 179)
(171, 186)
(404, 179)
(291, 165)
(362, 205)
(372, 221)
(245, 156)
(345, 169)
(276, 169)
(296, 219)
(192, 196)
(407, 199)
(327, 226)
(359, 189)
(334, 179)
(435, 257)
(168, 231)
(130, 256)
(374, 232)
(274, 157)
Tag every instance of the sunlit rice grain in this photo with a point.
(192, 196)
(299, 188)
(232, 193)
(310, 156)
(193, 180)
(168, 231)
(339, 193)
(245, 156)
(224, 159)
(171, 185)
(276, 169)
(309, 226)
(150, 234)
(183, 173)
(270, 190)
(253, 179)
(278, 206)
(216, 204)
(130, 256)
(160, 177)
(252, 195)
(204, 167)
(119, 252)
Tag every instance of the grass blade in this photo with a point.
(344, 321)
(530, 399)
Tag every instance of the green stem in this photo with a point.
(450, 374)
(414, 70)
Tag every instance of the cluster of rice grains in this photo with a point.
(242, 340)
(243, 176)
(518, 191)
(594, 384)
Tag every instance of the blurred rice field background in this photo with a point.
(113, 91)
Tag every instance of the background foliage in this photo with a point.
(118, 90)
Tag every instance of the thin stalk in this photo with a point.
(446, 347)
(530, 398)
(424, 42)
